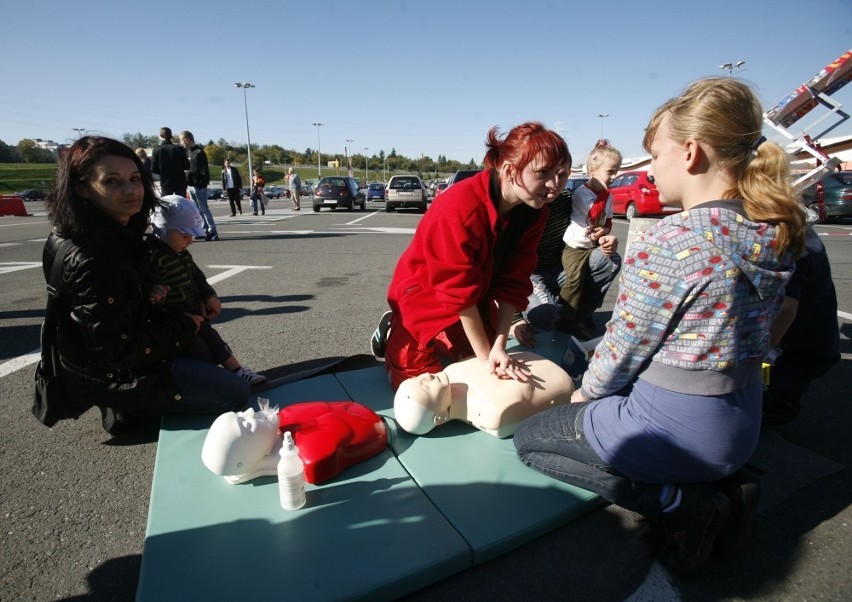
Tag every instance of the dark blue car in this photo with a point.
(376, 192)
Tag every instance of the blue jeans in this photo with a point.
(206, 388)
(553, 443)
(543, 308)
(257, 204)
(199, 195)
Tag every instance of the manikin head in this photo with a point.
(237, 441)
(422, 402)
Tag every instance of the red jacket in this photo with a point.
(449, 264)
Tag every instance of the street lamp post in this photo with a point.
(602, 116)
(366, 166)
(319, 152)
(731, 66)
(79, 132)
(348, 156)
(245, 86)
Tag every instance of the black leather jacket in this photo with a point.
(106, 336)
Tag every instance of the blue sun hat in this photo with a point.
(178, 213)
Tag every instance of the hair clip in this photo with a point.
(757, 143)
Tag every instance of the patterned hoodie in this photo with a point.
(697, 294)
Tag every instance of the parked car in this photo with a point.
(461, 175)
(338, 191)
(833, 191)
(574, 183)
(214, 194)
(32, 194)
(275, 192)
(405, 191)
(376, 191)
(635, 195)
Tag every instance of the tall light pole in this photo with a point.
(731, 66)
(366, 166)
(602, 116)
(319, 152)
(245, 86)
(348, 157)
(79, 132)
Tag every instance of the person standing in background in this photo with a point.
(257, 184)
(170, 163)
(295, 185)
(232, 182)
(198, 177)
(146, 162)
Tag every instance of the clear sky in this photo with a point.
(420, 77)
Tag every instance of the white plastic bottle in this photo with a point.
(291, 475)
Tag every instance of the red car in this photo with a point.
(634, 195)
(439, 188)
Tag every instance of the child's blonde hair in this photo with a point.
(725, 114)
(603, 150)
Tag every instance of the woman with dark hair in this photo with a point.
(467, 269)
(114, 354)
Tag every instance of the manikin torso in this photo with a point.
(497, 405)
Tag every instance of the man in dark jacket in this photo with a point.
(170, 163)
(232, 182)
(198, 177)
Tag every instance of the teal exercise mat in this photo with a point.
(369, 387)
(370, 533)
(476, 480)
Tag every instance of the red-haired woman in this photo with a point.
(467, 269)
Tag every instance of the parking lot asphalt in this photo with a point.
(304, 289)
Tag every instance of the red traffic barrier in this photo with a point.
(12, 204)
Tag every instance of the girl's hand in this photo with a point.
(158, 293)
(597, 232)
(504, 366)
(608, 244)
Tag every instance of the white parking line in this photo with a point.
(22, 361)
(363, 217)
(15, 266)
(233, 270)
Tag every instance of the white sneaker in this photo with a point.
(250, 376)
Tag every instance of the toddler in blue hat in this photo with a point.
(180, 285)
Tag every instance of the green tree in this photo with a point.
(139, 140)
(31, 153)
(215, 154)
(9, 154)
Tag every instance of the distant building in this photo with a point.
(49, 145)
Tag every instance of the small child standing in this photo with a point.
(181, 285)
(591, 218)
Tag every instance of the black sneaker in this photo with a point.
(743, 493)
(379, 340)
(688, 533)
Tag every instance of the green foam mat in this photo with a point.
(422, 510)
